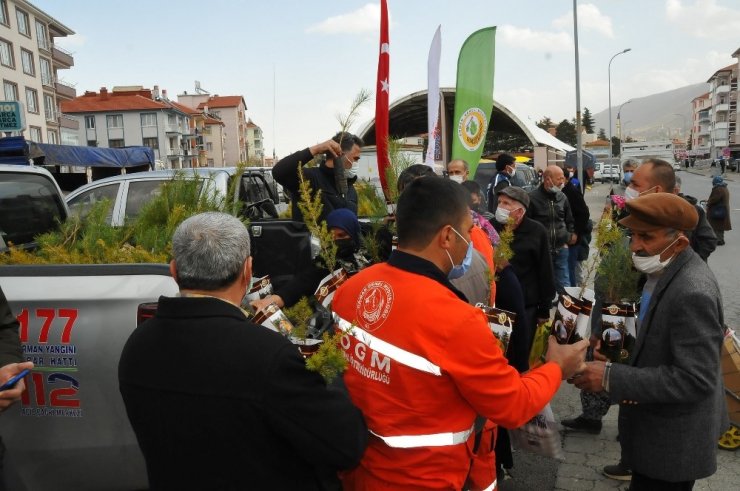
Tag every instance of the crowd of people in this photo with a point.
(428, 394)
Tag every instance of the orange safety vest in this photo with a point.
(421, 364)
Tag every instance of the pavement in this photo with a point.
(587, 454)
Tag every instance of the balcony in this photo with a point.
(69, 123)
(721, 107)
(721, 125)
(173, 128)
(174, 152)
(62, 56)
(65, 91)
(722, 89)
(735, 139)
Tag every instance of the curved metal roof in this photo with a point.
(408, 117)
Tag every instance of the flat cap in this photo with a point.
(660, 210)
(516, 193)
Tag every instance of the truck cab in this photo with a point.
(31, 203)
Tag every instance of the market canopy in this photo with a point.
(46, 154)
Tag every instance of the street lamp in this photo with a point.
(610, 99)
(619, 122)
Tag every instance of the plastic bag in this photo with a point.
(539, 435)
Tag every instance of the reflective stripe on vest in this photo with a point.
(434, 440)
(384, 348)
(491, 487)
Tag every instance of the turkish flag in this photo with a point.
(381, 98)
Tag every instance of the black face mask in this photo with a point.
(345, 249)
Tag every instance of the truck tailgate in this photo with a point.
(70, 430)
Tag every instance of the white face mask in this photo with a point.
(652, 264)
(351, 173)
(555, 189)
(630, 194)
(458, 179)
(502, 215)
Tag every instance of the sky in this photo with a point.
(299, 64)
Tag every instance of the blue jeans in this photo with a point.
(573, 252)
(560, 267)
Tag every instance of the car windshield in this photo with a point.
(30, 206)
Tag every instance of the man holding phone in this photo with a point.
(218, 402)
(10, 365)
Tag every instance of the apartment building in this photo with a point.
(30, 61)
(126, 116)
(723, 127)
(701, 126)
(732, 117)
(231, 110)
(255, 148)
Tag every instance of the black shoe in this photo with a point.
(580, 423)
(619, 472)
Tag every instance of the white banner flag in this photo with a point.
(433, 95)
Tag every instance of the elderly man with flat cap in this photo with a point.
(671, 404)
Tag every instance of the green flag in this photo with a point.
(474, 96)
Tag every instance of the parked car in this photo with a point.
(30, 204)
(608, 172)
(130, 192)
(525, 176)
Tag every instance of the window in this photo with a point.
(80, 205)
(209, 146)
(4, 13)
(152, 143)
(210, 162)
(149, 119)
(139, 194)
(115, 120)
(24, 27)
(171, 119)
(34, 133)
(27, 62)
(90, 122)
(32, 101)
(6, 54)
(46, 73)
(11, 91)
(41, 37)
(92, 143)
(51, 137)
(116, 143)
(49, 107)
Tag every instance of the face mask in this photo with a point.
(461, 269)
(352, 173)
(556, 189)
(457, 179)
(345, 249)
(627, 178)
(651, 264)
(630, 194)
(502, 215)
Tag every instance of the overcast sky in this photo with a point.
(323, 52)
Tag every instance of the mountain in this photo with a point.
(655, 116)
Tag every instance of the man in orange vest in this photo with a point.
(422, 362)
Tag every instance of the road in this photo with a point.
(586, 455)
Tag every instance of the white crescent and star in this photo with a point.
(385, 48)
(384, 85)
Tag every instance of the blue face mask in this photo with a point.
(458, 270)
(627, 177)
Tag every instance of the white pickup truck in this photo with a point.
(70, 430)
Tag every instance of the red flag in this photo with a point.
(381, 97)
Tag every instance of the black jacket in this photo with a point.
(320, 178)
(217, 402)
(552, 211)
(10, 344)
(703, 239)
(533, 265)
(578, 208)
(495, 185)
